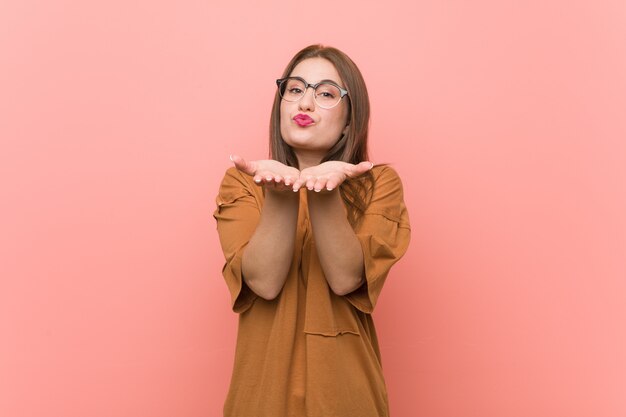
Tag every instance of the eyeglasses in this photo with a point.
(327, 93)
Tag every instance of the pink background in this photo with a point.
(506, 121)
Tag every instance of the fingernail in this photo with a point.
(268, 178)
(329, 189)
(257, 180)
(371, 163)
(231, 157)
(317, 191)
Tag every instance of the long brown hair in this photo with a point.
(352, 146)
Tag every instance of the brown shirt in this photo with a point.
(309, 352)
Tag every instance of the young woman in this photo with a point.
(309, 237)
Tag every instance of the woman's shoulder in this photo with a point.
(385, 175)
(234, 176)
(235, 184)
(388, 195)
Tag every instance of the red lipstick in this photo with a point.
(303, 120)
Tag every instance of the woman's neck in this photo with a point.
(307, 160)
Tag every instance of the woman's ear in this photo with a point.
(345, 129)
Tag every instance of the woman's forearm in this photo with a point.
(267, 258)
(338, 247)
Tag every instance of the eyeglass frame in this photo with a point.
(343, 92)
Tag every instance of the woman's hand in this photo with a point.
(268, 173)
(329, 175)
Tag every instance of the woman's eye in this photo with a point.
(295, 90)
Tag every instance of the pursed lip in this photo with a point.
(303, 120)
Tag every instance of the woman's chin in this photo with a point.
(309, 150)
(307, 143)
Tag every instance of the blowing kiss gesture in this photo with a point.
(277, 176)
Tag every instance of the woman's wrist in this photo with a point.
(325, 198)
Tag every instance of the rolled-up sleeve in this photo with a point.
(237, 215)
(384, 234)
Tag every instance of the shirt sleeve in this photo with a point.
(384, 234)
(237, 215)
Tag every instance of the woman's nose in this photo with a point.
(307, 102)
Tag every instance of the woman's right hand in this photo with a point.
(268, 173)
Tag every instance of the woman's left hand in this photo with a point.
(329, 175)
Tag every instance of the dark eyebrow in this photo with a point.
(322, 81)
(332, 81)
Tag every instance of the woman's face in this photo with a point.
(312, 141)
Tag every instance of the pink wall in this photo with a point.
(505, 120)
